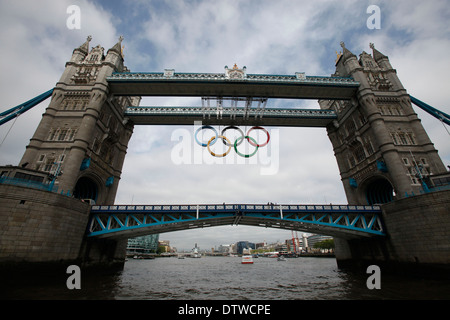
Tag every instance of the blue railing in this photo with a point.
(337, 220)
(47, 186)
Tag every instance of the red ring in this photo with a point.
(258, 145)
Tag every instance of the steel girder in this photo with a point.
(344, 221)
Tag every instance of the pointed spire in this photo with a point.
(345, 52)
(377, 55)
(118, 46)
(85, 46)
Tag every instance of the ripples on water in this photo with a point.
(225, 278)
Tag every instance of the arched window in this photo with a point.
(359, 153)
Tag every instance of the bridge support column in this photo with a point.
(359, 253)
(40, 228)
(417, 241)
(103, 253)
(43, 231)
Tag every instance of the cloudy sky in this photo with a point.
(275, 37)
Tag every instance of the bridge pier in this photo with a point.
(417, 241)
(40, 231)
(103, 253)
(43, 231)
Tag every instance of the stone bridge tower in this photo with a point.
(82, 138)
(381, 147)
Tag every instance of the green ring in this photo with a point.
(245, 155)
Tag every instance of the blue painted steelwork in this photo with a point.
(47, 186)
(85, 164)
(298, 86)
(279, 117)
(267, 112)
(21, 108)
(433, 111)
(337, 220)
(221, 77)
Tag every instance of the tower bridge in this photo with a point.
(392, 175)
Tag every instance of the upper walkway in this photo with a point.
(296, 86)
(226, 116)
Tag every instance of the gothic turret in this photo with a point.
(115, 55)
(117, 47)
(377, 55)
(81, 52)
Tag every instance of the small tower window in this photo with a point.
(402, 138)
(62, 135)
(52, 134)
(394, 138)
(72, 134)
(369, 147)
(359, 153)
(49, 164)
(411, 138)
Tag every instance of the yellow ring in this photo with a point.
(218, 155)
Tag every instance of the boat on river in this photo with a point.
(247, 259)
(195, 253)
(281, 258)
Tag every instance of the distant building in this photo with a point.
(260, 245)
(294, 245)
(144, 244)
(164, 244)
(312, 240)
(281, 247)
(241, 245)
(224, 248)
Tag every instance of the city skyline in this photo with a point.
(208, 247)
(298, 237)
(275, 38)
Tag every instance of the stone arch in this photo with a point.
(87, 188)
(378, 190)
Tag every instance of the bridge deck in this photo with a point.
(337, 220)
(216, 84)
(227, 116)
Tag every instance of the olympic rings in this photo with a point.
(219, 155)
(228, 143)
(231, 127)
(255, 144)
(245, 155)
(201, 128)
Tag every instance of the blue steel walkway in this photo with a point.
(344, 221)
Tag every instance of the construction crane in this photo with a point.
(293, 242)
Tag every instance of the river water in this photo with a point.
(225, 278)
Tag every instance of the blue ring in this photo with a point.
(205, 144)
